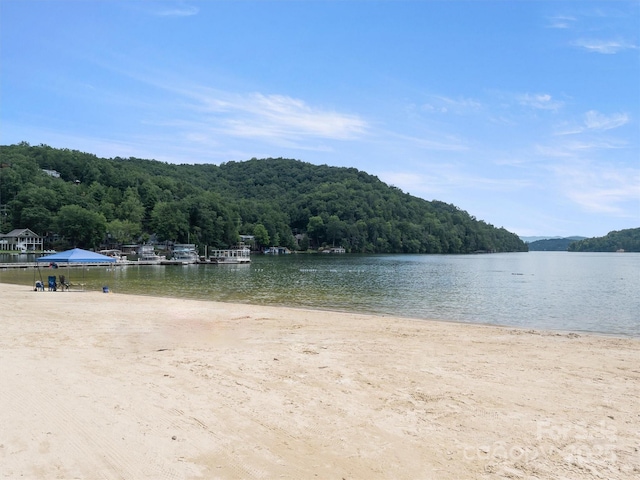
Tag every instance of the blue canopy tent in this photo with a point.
(75, 255)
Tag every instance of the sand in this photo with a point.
(115, 386)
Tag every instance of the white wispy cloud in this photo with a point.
(597, 121)
(278, 117)
(442, 179)
(575, 148)
(561, 21)
(429, 141)
(251, 122)
(176, 10)
(599, 189)
(540, 101)
(607, 47)
(443, 104)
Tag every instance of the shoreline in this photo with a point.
(537, 330)
(144, 386)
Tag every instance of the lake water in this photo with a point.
(581, 292)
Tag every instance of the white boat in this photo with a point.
(277, 251)
(185, 252)
(337, 250)
(146, 253)
(232, 256)
(117, 254)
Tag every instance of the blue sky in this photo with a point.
(523, 113)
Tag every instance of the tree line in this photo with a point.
(78, 199)
(627, 240)
(552, 244)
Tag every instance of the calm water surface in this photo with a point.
(595, 292)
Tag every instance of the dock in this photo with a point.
(125, 263)
(13, 265)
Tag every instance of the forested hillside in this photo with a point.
(627, 240)
(96, 200)
(552, 244)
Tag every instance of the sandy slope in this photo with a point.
(114, 386)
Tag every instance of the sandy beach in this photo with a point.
(115, 386)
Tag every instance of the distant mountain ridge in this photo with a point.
(548, 237)
(553, 244)
(627, 240)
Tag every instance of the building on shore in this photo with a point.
(22, 240)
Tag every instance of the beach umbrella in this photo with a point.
(75, 255)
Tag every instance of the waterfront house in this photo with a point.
(21, 239)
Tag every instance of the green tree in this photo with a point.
(261, 236)
(231, 236)
(37, 218)
(124, 231)
(304, 243)
(170, 222)
(131, 208)
(81, 227)
(316, 229)
(335, 228)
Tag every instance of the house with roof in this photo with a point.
(21, 239)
